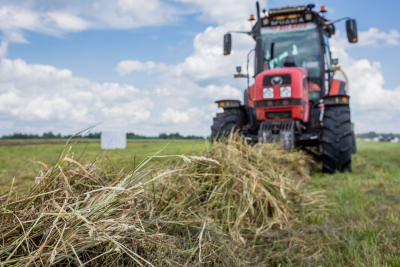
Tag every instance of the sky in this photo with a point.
(154, 66)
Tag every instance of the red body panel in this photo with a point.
(250, 95)
(299, 112)
(337, 87)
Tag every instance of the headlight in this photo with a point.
(268, 92)
(286, 91)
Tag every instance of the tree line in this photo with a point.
(372, 135)
(96, 135)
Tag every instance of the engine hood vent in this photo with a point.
(271, 80)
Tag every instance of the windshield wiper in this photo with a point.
(271, 54)
(272, 50)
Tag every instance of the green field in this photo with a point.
(358, 225)
(362, 227)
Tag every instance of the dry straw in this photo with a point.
(215, 209)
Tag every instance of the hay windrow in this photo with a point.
(218, 208)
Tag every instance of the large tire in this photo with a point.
(226, 122)
(336, 141)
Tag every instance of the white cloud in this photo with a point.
(129, 14)
(42, 98)
(207, 63)
(191, 121)
(14, 19)
(53, 97)
(142, 12)
(59, 18)
(14, 35)
(68, 22)
(374, 107)
(375, 37)
(174, 116)
(45, 108)
(213, 92)
(127, 66)
(224, 11)
(3, 49)
(372, 37)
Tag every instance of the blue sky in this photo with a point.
(61, 66)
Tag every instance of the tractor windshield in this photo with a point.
(299, 41)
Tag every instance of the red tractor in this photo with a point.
(295, 97)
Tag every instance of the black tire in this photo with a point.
(336, 140)
(226, 122)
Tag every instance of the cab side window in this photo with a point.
(327, 54)
(328, 63)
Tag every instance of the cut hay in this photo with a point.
(215, 209)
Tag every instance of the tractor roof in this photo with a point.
(295, 15)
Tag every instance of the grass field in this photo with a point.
(358, 226)
(362, 227)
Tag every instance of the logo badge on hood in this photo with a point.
(277, 80)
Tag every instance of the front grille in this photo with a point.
(278, 102)
(278, 115)
(286, 79)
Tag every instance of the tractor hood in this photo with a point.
(269, 83)
(282, 94)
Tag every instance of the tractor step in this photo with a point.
(277, 132)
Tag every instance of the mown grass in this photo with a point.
(16, 161)
(358, 225)
(217, 208)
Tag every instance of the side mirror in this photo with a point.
(239, 74)
(351, 28)
(227, 44)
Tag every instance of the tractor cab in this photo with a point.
(299, 37)
(288, 46)
(295, 88)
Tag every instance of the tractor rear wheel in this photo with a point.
(336, 141)
(226, 122)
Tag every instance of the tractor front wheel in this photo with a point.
(226, 122)
(336, 142)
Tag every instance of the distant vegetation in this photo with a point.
(50, 135)
(367, 135)
(371, 135)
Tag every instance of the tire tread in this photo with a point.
(336, 139)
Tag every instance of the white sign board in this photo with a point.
(288, 28)
(113, 140)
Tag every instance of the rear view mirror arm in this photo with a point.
(249, 33)
(334, 21)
